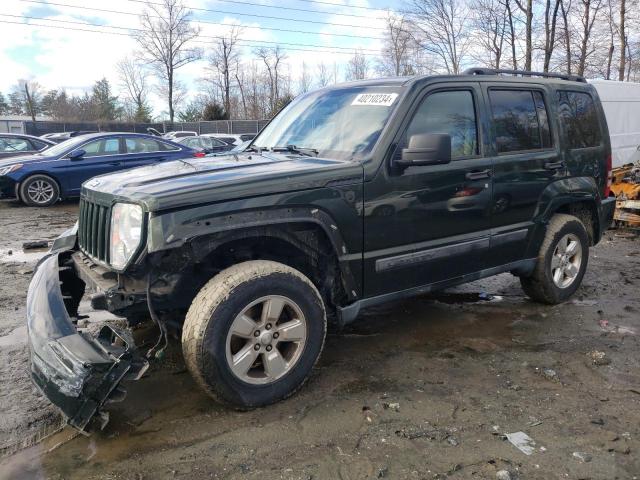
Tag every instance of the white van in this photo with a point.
(621, 103)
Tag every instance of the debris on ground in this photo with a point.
(582, 456)
(550, 374)
(522, 442)
(503, 475)
(626, 188)
(35, 244)
(391, 406)
(598, 358)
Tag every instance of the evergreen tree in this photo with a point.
(192, 113)
(105, 105)
(214, 111)
(4, 106)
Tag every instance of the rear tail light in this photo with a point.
(607, 188)
(199, 154)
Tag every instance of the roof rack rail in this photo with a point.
(526, 73)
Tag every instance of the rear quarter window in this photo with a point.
(579, 118)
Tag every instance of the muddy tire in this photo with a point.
(562, 261)
(253, 333)
(39, 191)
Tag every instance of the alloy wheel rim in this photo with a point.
(566, 261)
(265, 341)
(40, 191)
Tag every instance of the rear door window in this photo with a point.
(520, 120)
(579, 117)
(146, 145)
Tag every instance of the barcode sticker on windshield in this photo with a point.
(381, 99)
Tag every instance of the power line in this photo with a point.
(259, 27)
(294, 9)
(344, 6)
(127, 35)
(214, 37)
(270, 17)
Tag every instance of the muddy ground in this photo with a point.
(419, 389)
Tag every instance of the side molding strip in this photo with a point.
(422, 256)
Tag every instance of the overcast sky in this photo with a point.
(62, 57)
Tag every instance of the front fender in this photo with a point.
(174, 229)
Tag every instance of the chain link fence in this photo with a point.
(216, 126)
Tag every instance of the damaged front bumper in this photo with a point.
(77, 372)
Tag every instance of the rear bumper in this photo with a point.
(76, 371)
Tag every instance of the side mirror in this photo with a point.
(426, 149)
(77, 154)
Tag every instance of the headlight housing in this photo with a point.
(126, 233)
(10, 168)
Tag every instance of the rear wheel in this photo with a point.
(39, 191)
(562, 261)
(253, 333)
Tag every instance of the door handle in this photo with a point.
(478, 175)
(554, 165)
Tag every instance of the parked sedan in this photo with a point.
(231, 138)
(205, 144)
(41, 180)
(14, 144)
(59, 137)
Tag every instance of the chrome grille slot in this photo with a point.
(93, 229)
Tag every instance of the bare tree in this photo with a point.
(526, 7)
(25, 98)
(589, 10)
(164, 39)
(565, 8)
(442, 30)
(550, 27)
(491, 23)
(357, 67)
(623, 39)
(398, 41)
(304, 81)
(223, 59)
(323, 75)
(512, 33)
(134, 80)
(273, 59)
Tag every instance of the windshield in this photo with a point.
(339, 123)
(65, 146)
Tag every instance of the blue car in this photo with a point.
(42, 179)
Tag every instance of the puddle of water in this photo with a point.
(20, 256)
(17, 338)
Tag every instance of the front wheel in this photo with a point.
(253, 333)
(39, 191)
(562, 261)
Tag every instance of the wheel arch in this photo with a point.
(577, 196)
(307, 241)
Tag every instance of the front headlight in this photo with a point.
(126, 233)
(10, 168)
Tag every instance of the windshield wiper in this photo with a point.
(309, 152)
